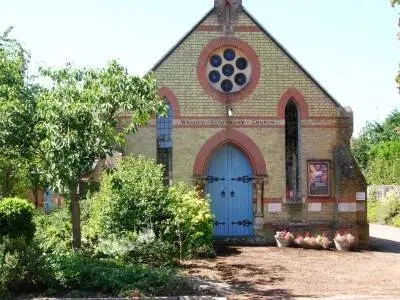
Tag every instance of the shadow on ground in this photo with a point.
(246, 280)
(383, 245)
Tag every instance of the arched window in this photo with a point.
(164, 143)
(292, 150)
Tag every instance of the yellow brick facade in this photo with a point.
(321, 131)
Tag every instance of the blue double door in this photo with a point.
(229, 184)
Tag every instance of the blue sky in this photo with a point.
(349, 46)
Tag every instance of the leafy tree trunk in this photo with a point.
(76, 218)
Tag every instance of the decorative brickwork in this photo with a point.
(237, 138)
(165, 92)
(204, 58)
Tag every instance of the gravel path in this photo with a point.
(290, 273)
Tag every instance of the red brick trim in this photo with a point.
(237, 138)
(247, 50)
(209, 28)
(320, 200)
(173, 101)
(245, 28)
(298, 98)
(272, 200)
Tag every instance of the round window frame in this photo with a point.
(209, 50)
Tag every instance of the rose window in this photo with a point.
(228, 70)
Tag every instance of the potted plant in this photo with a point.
(345, 241)
(323, 241)
(299, 241)
(310, 242)
(283, 238)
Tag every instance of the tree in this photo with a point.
(377, 147)
(17, 105)
(79, 122)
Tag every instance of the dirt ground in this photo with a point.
(287, 273)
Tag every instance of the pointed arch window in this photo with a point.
(165, 143)
(292, 151)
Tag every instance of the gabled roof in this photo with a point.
(287, 53)
(181, 40)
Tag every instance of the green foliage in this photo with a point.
(388, 209)
(372, 206)
(377, 150)
(53, 231)
(135, 217)
(396, 221)
(191, 223)
(79, 117)
(131, 199)
(384, 163)
(106, 276)
(14, 179)
(16, 218)
(22, 267)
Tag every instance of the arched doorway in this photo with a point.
(229, 184)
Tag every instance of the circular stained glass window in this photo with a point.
(228, 70)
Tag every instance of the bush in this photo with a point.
(191, 224)
(131, 199)
(143, 248)
(396, 221)
(388, 208)
(22, 267)
(54, 231)
(16, 218)
(372, 206)
(107, 276)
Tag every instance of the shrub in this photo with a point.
(16, 218)
(388, 208)
(54, 231)
(372, 206)
(131, 199)
(22, 267)
(107, 276)
(143, 247)
(191, 223)
(396, 221)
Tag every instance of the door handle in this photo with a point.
(232, 194)
(223, 194)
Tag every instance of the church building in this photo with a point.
(251, 128)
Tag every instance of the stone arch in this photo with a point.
(240, 140)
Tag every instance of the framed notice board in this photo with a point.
(318, 178)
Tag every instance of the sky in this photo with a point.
(349, 46)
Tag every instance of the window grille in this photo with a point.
(292, 151)
(164, 143)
